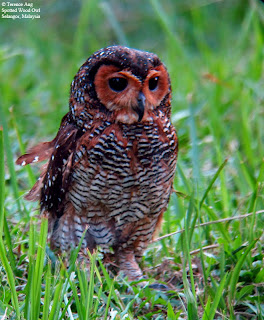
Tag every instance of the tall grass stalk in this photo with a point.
(2, 181)
(9, 158)
(3, 254)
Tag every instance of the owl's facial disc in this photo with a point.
(128, 98)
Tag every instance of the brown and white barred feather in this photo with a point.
(107, 173)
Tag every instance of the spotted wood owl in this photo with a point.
(110, 167)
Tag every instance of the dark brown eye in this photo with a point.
(117, 84)
(153, 83)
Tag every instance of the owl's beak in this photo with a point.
(140, 108)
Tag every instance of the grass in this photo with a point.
(212, 257)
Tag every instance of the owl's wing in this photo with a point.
(53, 182)
(39, 153)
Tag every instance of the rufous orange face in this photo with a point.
(120, 91)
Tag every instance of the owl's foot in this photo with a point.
(129, 266)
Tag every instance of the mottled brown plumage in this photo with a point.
(110, 168)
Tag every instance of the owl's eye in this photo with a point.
(117, 84)
(153, 83)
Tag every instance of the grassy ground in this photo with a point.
(214, 51)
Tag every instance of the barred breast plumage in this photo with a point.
(111, 165)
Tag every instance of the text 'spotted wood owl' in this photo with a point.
(110, 168)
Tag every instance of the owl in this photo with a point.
(110, 168)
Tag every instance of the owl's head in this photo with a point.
(125, 85)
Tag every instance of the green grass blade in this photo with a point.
(189, 292)
(236, 271)
(89, 301)
(2, 181)
(38, 268)
(212, 182)
(110, 15)
(80, 309)
(108, 301)
(252, 208)
(206, 314)
(170, 313)
(31, 177)
(191, 303)
(224, 191)
(186, 182)
(109, 282)
(98, 297)
(89, 13)
(10, 277)
(47, 296)
(194, 143)
(29, 287)
(220, 226)
(63, 308)
(67, 309)
(56, 301)
(210, 312)
(9, 157)
(173, 40)
(74, 254)
(190, 221)
(90, 294)
(9, 245)
(247, 175)
(83, 286)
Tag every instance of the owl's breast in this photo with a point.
(125, 174)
